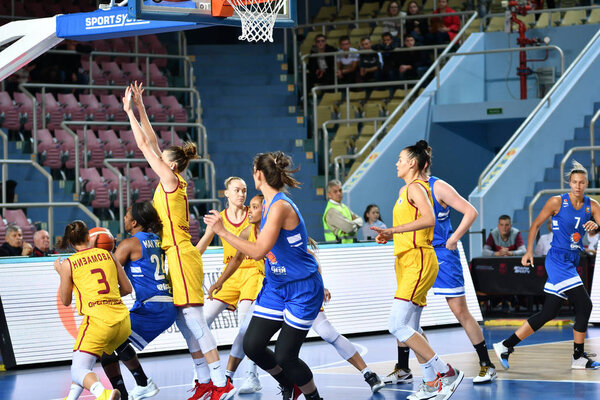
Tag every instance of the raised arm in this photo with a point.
(205, 240)
(137, 91)
(167, 177)
(450, 197)
(268, 234)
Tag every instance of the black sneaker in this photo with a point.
(373, 380)
(290, 393)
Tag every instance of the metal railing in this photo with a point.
(326, 136)
(568, 154)
(592, 139)
(25, 86)
(539, 194)
(542, 11)
(335, 54)
(507, 50)
(347, 101)
(108, 163)
(202, 144)
(406, 100)
(546, 98)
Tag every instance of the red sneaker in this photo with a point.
(291, 394)
(202, 391)
(222, 393)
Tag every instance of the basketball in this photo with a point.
(105, 239)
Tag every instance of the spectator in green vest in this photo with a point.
(340, 224)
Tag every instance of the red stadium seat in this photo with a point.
(48, 149)
(25, 107)
(94, 188)
(113, 148)
(9, 113)
(128, 140)
(114, 73)
(67, 146)
(114, 108)
(95, 149)
(112, 181)
(73, 110)
(54, 112)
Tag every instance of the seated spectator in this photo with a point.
(590, 241)
(504, 240)
(444, 29)
(419, 27)
(372, 218)
(389, 71)
(340, 224)
(369, 64)
(393, 26)
(543, 244)
(347, 64)
(14, 245)
(411, 64)
(41, 244)
(321, 69)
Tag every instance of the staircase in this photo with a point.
(248, 108)
(552, 178)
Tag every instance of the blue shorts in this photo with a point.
(450, 281)
(148, 320)
(297, 303)
(561, 267)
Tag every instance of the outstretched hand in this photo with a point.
(527, 260)
(214, 220)
(137, 91)
(127, 100)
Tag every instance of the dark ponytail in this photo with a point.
(147, 217)
(276, 167)
(422, 152)
(76, 233)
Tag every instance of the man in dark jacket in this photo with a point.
(14, 245)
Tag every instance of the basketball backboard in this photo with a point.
(201, 11)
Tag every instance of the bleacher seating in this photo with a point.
(94, 188)
(49, 149)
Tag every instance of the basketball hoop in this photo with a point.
(257, 17)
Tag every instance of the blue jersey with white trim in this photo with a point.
(567, 224)
(147, 274)
(443, 227)
(289, 259)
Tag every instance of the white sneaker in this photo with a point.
(427, 390)
(487, 374)
(450, 381)
(251, 384)
(399, 376)
(584, 362)
(502, 352)
(142, 392)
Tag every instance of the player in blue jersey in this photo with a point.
(153, 311)
(292, 291)
(571, 217)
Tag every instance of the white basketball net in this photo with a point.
(258, 18)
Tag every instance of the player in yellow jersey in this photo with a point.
(98, 281)
(416, 270)
(184, 261)
(241, 289)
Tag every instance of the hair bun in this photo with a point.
(423, 145)
(190, 150)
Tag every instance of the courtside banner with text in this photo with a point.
(361, 279)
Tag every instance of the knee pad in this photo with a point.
(81, 366)
(324, 329)
(237, 350)
(400, 318)
(212, 309)
(108, 359)
(126, 352)
(344, 347)
(549, 311)
(192, 343)
(194, 319)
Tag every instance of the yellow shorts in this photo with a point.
(416, 270)
(96, 337)
(244, 284)
(186, 275)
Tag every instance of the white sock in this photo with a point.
(202, 373)
(75, 392)
(216, 374)
(364, 371)
(251, 367)
(428, 371)
(439, 365)
(97, 389)
(229, 373)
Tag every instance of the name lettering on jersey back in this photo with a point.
(184, 228)
(90, 260)
(151, 244)
(229, 258)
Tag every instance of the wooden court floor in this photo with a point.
(540, 369)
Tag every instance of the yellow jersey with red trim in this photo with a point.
(174, 212)
(405, 212)
(228, 250)
(260, 265)
(96, 286)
